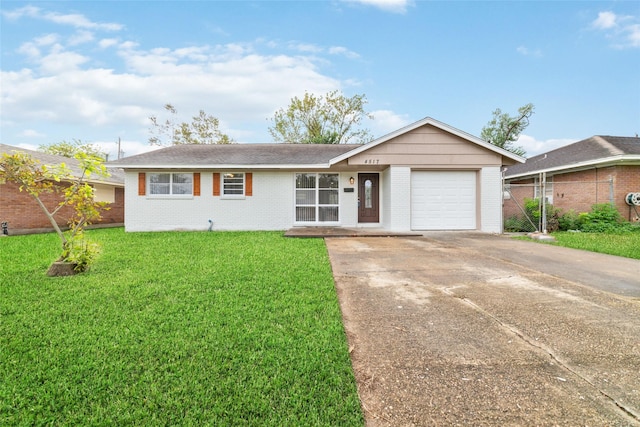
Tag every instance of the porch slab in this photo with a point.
(315, 232)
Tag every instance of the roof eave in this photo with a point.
(226, 166)
(607, 161)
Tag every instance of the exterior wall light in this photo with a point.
(352, 180)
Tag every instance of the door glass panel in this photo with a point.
(368, 194)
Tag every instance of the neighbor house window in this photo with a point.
(548, 189)
(317, 197)
(171, 184)
(233, 184)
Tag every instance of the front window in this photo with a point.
(317, 197)
(171, 184)
(233, 184)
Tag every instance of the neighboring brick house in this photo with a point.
(600, 169)
(23, 215)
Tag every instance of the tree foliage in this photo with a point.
(203, 129)
(71, 148)
(503, 130)
(329, 119)
(37, 179)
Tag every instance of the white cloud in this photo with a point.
(106, 43)
(242, 84)
(343, 51)
(395, 6)
(230, 82)
(605, 20)
(74, 20)
(623, 30)
(525, 51)
(386, 121)
(127, 148)
(30, 133)
(533, 147)
(81, 37)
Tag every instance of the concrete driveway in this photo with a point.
(476, 329)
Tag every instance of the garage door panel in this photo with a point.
(443, 200)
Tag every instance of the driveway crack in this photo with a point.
(630, 412)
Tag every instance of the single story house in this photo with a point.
(22, 214)
(425, 176)
(600, 169)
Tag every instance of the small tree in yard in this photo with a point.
(37, 179)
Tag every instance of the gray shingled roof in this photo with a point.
(590, 150)
(116, 178)
(206, 155)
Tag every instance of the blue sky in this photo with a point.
(96, 70)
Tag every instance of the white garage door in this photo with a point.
(443, 200)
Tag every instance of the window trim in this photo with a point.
(223, 185)
(170, 195)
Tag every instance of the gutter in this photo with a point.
(607, 161)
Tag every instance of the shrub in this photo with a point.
(604, 217)
(532, 209)
(569, 221)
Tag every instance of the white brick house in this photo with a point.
(425, 176)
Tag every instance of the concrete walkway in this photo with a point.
(344, 232)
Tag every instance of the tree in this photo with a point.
(203, 129)
(329, 119)
(37, 179)
(503, 130)
(70, 149)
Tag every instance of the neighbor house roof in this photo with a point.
(237, 156)
(595, 151)
(116, 175)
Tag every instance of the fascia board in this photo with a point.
(226, 166)
(607, 161)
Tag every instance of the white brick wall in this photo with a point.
(270, 207)
(491, 200)
(399, 198)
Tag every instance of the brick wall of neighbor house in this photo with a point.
(579, 191)
(519, 190)
(23, 214)
(115, 214)
(627, 180)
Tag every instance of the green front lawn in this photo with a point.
(621, 244)
(218, 328)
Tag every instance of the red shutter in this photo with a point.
(196, 184)
(216, 184)
(142, 184)
(248, 184)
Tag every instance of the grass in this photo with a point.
(220, 329)
(621, 244)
